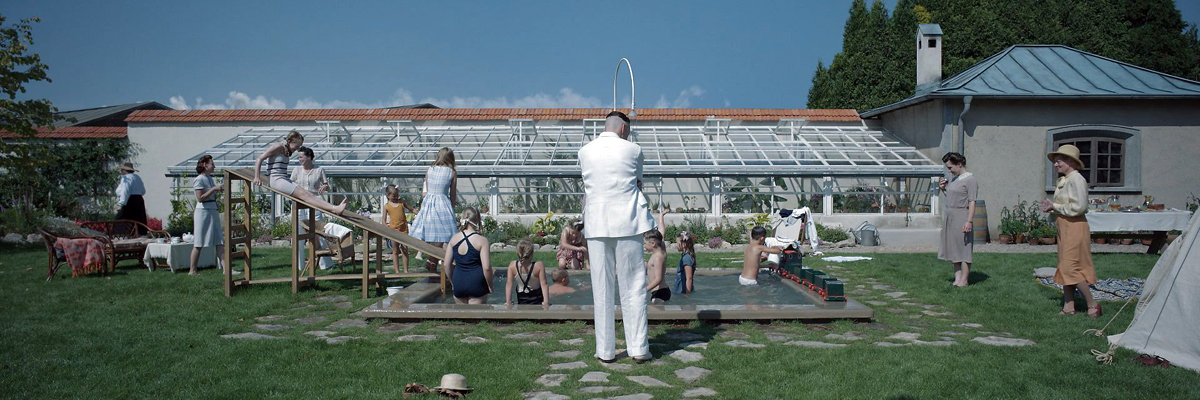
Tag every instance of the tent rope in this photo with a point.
(1106, 357)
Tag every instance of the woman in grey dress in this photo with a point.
(957, 244)
(206, 220)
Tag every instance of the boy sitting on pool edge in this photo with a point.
(753, 254)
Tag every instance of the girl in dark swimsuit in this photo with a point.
(471, 258)
(530, 276)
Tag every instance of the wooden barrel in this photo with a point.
(980, 223)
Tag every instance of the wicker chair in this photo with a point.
(123, 234)
(341, 249)
(56, 258)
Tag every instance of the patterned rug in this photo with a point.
(1110, 289)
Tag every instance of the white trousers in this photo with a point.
(617, 265)
(302, 249)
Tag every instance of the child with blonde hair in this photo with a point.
(524, 269)
(468, 261)
(394, 217)
(562, 283)
(572, 249)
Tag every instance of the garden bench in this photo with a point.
(55, 258)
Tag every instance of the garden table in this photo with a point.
(1156, 222)
(177, 255)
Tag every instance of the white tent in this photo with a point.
(1167, 320)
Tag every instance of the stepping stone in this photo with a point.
(815, 344)
(930, 306)
(684, 336)
(347, 323)
(332, 298)
(301, 307)
(564, 354)
(269, 318)
(909, 303)
(572, 342)
(533, 343)
(890, 344)
(1003, 341)
(344, 304)
(883, 287)
(647, 381)
(895, 295)
(877, 303)
(859, 291)
(320, 333)
(743, 343)
(618, 367)
(937, 313)
(694, 345)
(950, 333)
(635, 396)
(570, 365)
(248, 335)
(594, 376)
(340, 339)
(686, 356)
(309, 321)
(597, 389)
(473, 339)
(1044, 272)
(909, 336)
(940, 343)
(529, 335)
(895, 310)
(779, 336)
(691, 374)
(970, 325)
(699, 392)
(270, 327)
(551, 379)
(544, 396)
(734, 335)
(393, 327)
(850, 335)
(416, 338)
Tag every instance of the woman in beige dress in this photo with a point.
(958, 245)
(1075, 269)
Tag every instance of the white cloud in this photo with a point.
(236, 101)
(566, 98)
(178, 103)
(684, 100)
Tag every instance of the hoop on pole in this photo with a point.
(632, 89)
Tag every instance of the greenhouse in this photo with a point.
(712, 166)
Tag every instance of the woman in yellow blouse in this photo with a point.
(1075, 269)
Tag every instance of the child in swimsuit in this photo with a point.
(393, 217)
(528, 275)
(562, 283)
(469, 258)
(656, 266)
(572, 250)
(751, 258)
(686, 244)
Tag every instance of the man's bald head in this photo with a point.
(617, 122)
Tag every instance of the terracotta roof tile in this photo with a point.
(76, 132)
(481, 114)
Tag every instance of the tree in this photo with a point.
(875, 69)
(20, 159)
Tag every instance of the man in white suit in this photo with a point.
(615, 215)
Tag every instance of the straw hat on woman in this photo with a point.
(1075, 269)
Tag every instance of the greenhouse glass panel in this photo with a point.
(679, 195)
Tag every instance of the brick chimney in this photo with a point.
(929, 56)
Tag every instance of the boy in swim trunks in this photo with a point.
(562, 283)
(656, 266)
(753, 255)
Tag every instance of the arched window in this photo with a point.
(1110, 155)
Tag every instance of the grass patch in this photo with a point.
(137, 334)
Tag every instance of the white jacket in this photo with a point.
(614, 206)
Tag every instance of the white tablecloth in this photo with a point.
(1138, 221)
(178, 255)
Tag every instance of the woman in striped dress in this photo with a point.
(277, 155)
(434, 222)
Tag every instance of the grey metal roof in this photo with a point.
(1053, 71)
(104, 116)
(930, 29)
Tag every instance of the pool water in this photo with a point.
(721, 287)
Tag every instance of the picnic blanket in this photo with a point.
(85, 256)
(1110, 289)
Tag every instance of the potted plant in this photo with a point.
(1048, 234)
(1100, 240)
(1128, 240)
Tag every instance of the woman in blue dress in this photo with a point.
(434, 222)
(468, 261)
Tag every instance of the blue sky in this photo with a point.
(310, 54)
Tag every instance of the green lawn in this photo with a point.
(156, 335)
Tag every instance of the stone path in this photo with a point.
(248, 335)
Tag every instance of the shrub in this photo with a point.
(715, 242)
(489, 226)
(830, 234)
(180, 220)
(281, 229)
(514, 231)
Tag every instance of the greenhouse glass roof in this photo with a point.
(525, 147)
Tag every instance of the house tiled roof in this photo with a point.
(483, 114)
(103, 116)
(75, 132)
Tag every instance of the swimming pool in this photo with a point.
(718, 296)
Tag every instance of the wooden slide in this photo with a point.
(238, 234)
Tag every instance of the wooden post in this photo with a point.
(379, 262)
(226, 225)
(294, 247)
(249, 197)
(312, 245)
(366, 267)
